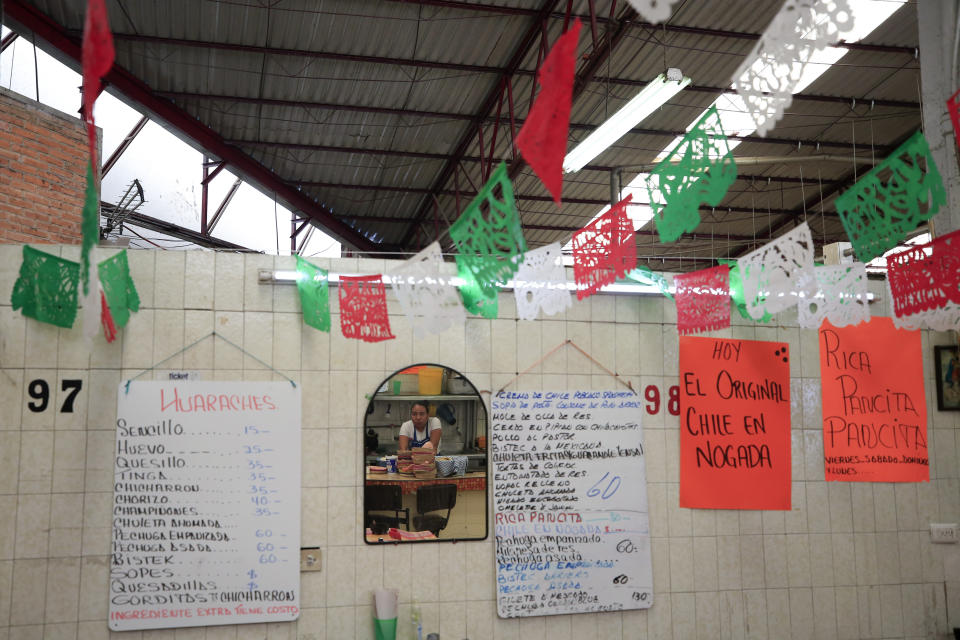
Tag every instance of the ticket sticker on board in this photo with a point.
(734, 424)
(874, 404)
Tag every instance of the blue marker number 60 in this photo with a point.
(610, 489)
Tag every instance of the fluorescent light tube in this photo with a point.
(653, 96)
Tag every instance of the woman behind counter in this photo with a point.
(420, 429)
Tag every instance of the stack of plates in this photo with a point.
(423, 456)
(425, 471)
(405, 463)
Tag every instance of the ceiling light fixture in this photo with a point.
(290, 277)
(653, 96)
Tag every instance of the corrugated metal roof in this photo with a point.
(320, 94)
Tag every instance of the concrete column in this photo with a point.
(940, 78)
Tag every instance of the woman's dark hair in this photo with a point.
(422, 404)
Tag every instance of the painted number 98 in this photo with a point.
(652, 395)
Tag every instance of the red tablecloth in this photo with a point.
(476, 481)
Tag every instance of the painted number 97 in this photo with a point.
(652, 395)
(39, 391)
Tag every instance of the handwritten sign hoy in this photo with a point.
(570, 503)
(874, 408)
(734, 424)
(206, 504)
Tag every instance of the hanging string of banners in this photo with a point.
(877, 212)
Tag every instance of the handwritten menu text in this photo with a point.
(570, 502)
(206, 509)
(734, 424)
(874, 407)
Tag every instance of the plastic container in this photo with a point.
(458, 386)
(431, 381)
(406, 384)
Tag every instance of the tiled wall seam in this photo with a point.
(847, 561)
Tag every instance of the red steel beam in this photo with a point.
(303, 53)
(224, 204)
(190, 235)
(567, 228)
(204, 197)
(208, 177)
(472, 68)
(519, 53)
(296, 230)
(132, 87)
(469, 194)
(429, 155)
(118, 152)
(451, 115)
(628, 22)
(664, 27)
(442, 192)
(8, 40)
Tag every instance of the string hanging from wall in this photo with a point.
(567, 343)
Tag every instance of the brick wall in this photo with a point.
(43, 156)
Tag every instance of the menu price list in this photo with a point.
(570, 505)
(206, 505)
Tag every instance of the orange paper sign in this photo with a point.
(734, 424)
(874, 409)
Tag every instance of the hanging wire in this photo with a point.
(713, 253)
(853, 127)
(36, 69)
(13, 60)
(923, 126)
(769, 218)
(214, 334)
(276, 224)
(823, 216)
(803, 195)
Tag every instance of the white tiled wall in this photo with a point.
(848, 561)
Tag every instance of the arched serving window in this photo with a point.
(425, 458)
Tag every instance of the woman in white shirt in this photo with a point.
(420, 429)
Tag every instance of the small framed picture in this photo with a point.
(948, 378)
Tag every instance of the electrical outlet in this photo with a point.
(945, 533)
(309, 558)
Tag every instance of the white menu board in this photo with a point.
(206, 504)
(570, 503)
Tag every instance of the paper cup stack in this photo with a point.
(385, 614)
(405, 463)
